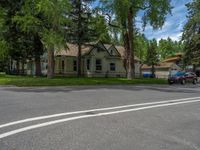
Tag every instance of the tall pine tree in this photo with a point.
(191, 34)
(152, 56)
(46, 19)
(80, 30)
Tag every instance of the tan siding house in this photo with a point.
(162, 70)
(97, 61)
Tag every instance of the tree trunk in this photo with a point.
(79, 60)
(141, 70)
(38, 51)
(10, 71)
(126, 46)
(17, 67)
(79, 3)
(153, 71)
(194, 68)
(50, 71)
(37, 66)
(22, 68)
(131, 66)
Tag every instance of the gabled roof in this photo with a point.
(159, 66)
(175, 58)
(110, 47)
(122, 51)
(172, 59)
(98, 45)
(107, 46)
(72, 50)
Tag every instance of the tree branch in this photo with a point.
(110, 22)
(142, 8)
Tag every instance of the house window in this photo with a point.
(98, 50)
(98, 65)
(112, 67)
(88, 64)
(63, 65)
(111, 52)
(75, 65)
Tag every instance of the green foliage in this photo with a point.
(152, 54)
(191, 34)
(82, 28)
(3, 50)
(32, 25)
(154, 11)
(141, 47)
(32, 81)
(101, 29)
(2, 19)
(3, 44)
(46, 21)
(125, 13)
(168, 47)
(11, 37)
(53, 38)
(45, 18)
(28, 23)
(53, 11)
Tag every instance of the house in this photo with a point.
(98, 60)
(164, 68)
(30, 65)
(177, 59)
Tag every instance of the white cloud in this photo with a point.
(174, 23)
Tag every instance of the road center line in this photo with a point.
(13, 132)
(85, 111)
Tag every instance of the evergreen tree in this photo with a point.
(46, 20)
(191, 34)
(141, 46)
(152, 56)
(11, 35)
(168, 47)
(80, 29)
(101, 29)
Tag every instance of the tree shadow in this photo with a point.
(67, 89)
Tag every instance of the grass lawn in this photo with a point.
(64, 81)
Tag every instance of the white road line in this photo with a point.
(89, 110)
(13, 132)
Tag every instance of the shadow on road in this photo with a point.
(160, 88)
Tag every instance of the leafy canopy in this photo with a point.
(47, 18)
(154, 11)
(191, 34)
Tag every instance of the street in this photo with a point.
(145, 117)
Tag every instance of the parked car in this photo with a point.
(182, 77)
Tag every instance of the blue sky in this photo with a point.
(174, 23)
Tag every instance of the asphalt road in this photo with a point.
(111, 118)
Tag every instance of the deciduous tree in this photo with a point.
(154, 13)
(46, 19)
